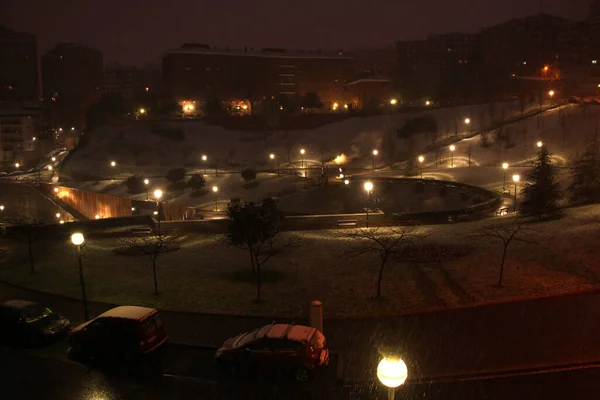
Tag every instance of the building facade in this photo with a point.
(199, 73)
(18, 66)
(71, 77)
(23, 134)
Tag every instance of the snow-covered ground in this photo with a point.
(564, 130)
(144, 147)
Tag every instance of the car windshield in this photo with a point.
(247, 338)
(35, 313)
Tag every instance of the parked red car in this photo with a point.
(284, 347)
(126, 332)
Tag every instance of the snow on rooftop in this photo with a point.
(292, 332)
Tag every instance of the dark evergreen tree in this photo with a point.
(541, 191)
(585, 185)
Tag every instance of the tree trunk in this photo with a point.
(251, 259)
(502, 266)
(154, 275)
(258, 280)
(30, 250)
(380, 278)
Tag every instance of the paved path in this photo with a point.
(512, 336)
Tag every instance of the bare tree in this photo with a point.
(151, 246)
(25, 228)
(506, 234)
(383, 242)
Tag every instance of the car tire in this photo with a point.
(301, 374)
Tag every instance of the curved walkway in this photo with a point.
(539, 333)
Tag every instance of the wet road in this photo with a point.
(48, 374)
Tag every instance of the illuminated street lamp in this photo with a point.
(392, 372)
(421, 159)
(467, 121)
(516, 179)
(428, 103)
(49, 167)
(158, 194)
(539, 144)
(57, 215)
(551, 93)
(53, 159)
(504, 168)
(452, 148)
(17, 165)
(146, 182)
(78, 239)
(215, 189)
(302, 151)
(393, 102)
(346, 182)
(1, 207)
(272, 158)
(369, 188)
(375, 153)
(204, 158)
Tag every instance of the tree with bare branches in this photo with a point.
(383, 242)
(25, 228)
(151, 246)
(505, 233)
(255, 229)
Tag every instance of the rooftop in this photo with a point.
(128, 312)
(251, 52)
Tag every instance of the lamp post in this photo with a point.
(302, 151)
(452, 148)
(375, 153)
(113, 164)
(215, 189)
(421, 159)
(516, 179)
(369, 188)
(504, 168)
(392, 372)
(539, 145)
(204, 158)
(468, 123)
(78, 239)
(551, 94)
(146, 182)
(272, 158)
(158, 195)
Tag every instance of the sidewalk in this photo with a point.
(495, 338)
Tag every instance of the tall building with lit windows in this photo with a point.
(71, 78)
(18, 66)
(200, 72)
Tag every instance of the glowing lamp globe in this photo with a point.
(392, 372)
(421, 159)
(77, 239)
(158, 193)
(368, 186)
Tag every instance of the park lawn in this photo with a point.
(208, 276)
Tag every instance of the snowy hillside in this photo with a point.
(159, 145)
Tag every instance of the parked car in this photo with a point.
(14, 173)
(28, 323)
(289, 348)
(125, 332)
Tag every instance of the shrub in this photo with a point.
(175, 175)
(135, 184)
(197, 182)
(249, 174)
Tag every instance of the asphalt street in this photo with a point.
(24, 374)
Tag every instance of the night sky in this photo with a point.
(138, 31)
